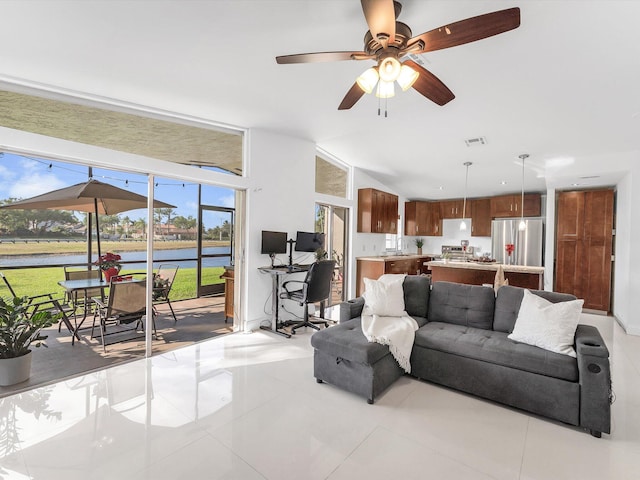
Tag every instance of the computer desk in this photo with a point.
(277, 273)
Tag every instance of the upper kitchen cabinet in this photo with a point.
(452, 208)
(511, 205)
(481, 217)
(377, 211)
(422, 218)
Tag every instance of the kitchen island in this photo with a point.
(374, 267)
(479, 273)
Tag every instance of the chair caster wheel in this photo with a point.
(293, 332)
(319, 380)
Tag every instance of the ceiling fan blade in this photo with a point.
(322, 57)
(381, 19)
(469, 30)
(430, 86)
(353, 95)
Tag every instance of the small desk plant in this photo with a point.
(419, 244)
(21, 325)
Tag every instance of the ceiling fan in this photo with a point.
(388, 41)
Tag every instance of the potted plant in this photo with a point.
(20, 329)
(109, 263)
(419, 244)
(321, 254)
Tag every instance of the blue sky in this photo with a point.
(25, 177)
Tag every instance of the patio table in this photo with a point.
(72, 288)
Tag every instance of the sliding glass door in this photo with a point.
(333, 221)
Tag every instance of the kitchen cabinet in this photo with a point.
(228, 277)
(584, 243)
(374, 267)
(422, 218)
(377, 211)
(481, 217)
(452, 208)
(511, 205)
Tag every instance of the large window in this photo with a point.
(168, 140)
(331, 179)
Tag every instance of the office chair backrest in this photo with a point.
(319, 280)
(127, 300)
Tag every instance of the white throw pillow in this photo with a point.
(547, 325)
(384, 298)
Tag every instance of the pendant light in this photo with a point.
(523, 225)
(463, 224)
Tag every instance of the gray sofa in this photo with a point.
(462, 343)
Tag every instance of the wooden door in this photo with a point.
(584, 234)
(481, 217)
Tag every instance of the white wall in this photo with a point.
(626, 298)
(452, 235)
(281, 197)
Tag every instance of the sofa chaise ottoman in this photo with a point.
(462, 343)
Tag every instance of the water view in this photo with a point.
(138, 256)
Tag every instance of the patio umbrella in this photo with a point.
(92, 196)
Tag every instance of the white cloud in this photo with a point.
(30, 185)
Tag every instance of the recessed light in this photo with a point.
(575, 184)
(503, 182)
(441, 188)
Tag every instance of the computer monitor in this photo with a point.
(309, 242)
(273, 242)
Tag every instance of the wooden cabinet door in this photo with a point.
(418, 218)
(503, 206)
(390, 216)
(481, 217)
(598, 241)
(532, 205)
(411, 223)
(584, 232)
(377, 211)
(434, 220)
(451, 208)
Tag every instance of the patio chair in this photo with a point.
(46, 301)
(126, 305)
(83, 299)
(162, 283)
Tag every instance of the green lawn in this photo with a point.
(35, 281)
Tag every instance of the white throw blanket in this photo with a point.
(396, 332)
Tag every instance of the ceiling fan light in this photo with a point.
(407, 77)
(389, 69)
(385, 89)
(367, 81)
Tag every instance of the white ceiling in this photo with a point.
(564, 87)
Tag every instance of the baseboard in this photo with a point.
(629, 330)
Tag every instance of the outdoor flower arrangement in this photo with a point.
(109, 263)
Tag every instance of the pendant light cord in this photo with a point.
(466, 182)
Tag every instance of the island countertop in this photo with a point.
(387, 258)
(486, 266)
(476, 273)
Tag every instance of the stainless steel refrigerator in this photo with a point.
(527, 245)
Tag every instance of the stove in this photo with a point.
(457, 252)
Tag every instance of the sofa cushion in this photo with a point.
(547, 325)
(416, 295)
(468, 305)
(494, 347)
(508, 305)
(347, 341)
(383, 297)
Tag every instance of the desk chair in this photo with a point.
(162, 283)
(125, 305)
(316, 287)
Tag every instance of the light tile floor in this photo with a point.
(246, 406)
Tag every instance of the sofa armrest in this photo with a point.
(595, 380)
(351, 309)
